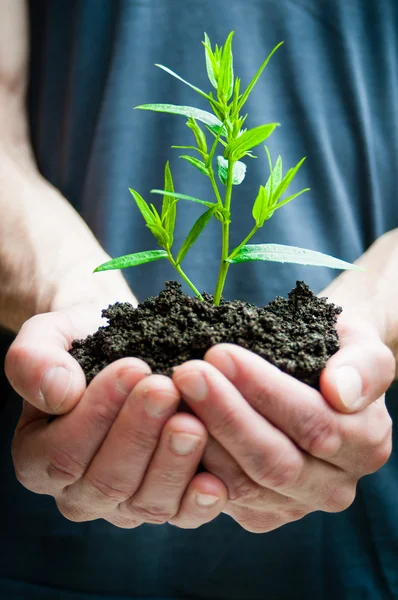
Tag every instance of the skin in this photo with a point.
(274, 448)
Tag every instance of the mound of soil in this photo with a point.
(295, 334)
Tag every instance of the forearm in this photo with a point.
(47, 252)
(373, 293)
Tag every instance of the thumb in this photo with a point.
(361, 371)
(39, 367)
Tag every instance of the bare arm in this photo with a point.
(373, 294)
(39, 269)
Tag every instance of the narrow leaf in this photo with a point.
(170, 72)
(183, 197)
(226, 75)
(143, 207)
(189, 148)
(238, 172)
(131, 260)
(290, 254)
(169, 205)
(186, 111)
(290, 198)
(261, 207)
(198, 133)
(274, 178)
(211, 64)
(286, 181)
(199, 164)
(253, 82)
(193, 235)
(251, 138)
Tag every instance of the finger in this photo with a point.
(358, 443)
(49, 457)
(39, 367)
(117, 470)
(242, 490)
(360, 372)
(204, 499)
(264, 453)
(171, 469)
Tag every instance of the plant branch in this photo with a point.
(247, 238)
(184, 276)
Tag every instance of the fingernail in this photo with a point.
(55, 386)
(227, 366)
(184, 443)
(157, 405)
(206, 500)
(192, 385)
(349, 386)
(128, 379)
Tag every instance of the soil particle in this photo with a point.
(295, 334)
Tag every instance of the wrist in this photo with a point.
(79, 285)
(371, 294)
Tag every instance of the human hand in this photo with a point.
(283, 449)
(117, 449)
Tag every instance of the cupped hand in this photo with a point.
(282, 448)
(118, 450)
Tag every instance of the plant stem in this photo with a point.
(224, 266)
(214, 185)
(247, 238)
(185, 277)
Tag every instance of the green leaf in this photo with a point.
(274, 178)
(143, 207)
(183, 197)
(290, 198)
(131, 260)
(253, 82)
(226, 75)
(260, 209)
(170, 72)
(211, 63)
(238, 172)
(189, 148)
(199, 135)
(290, 254)
(249, 139)
(169, 208)
(193, 235)
(186, 111)
(286, 181)
(199, 164)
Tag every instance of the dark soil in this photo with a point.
(295, 334)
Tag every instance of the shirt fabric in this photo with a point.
(333, 86)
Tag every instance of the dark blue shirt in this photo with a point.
(334, 88)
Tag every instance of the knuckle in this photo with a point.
(154, 515)
(63, 467)
(379, 455)
(226, 427)
(73, 512)
(318, 434)
(261, 522)
(104, 414)
(281, 473)
(295, 514)
(106, 492)
(124, 522)
(243, 490)
(339, 497)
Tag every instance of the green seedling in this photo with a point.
(224, 126)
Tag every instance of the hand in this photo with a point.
(282, 449)
(117, 450)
